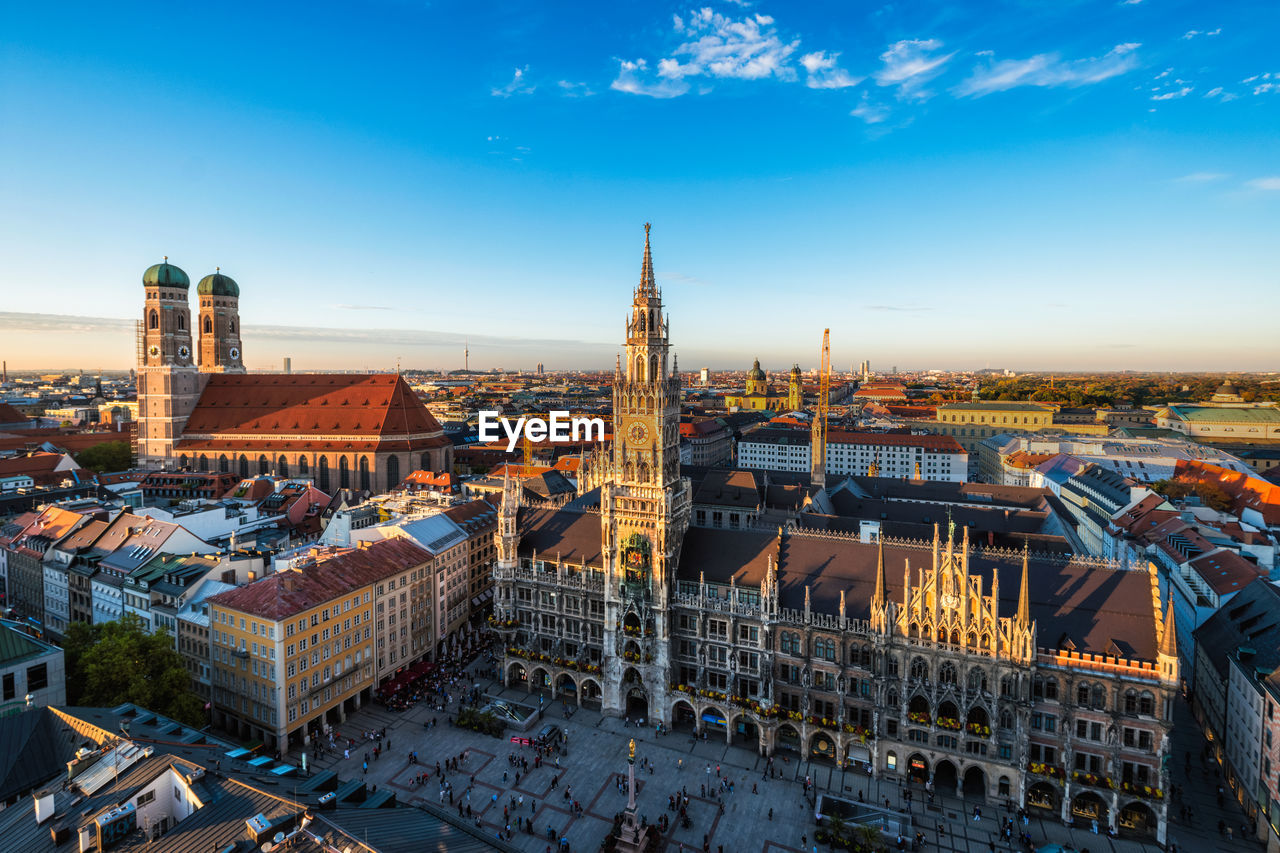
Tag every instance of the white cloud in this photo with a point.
(1130, 2)
(1048, 69)
(1269, 183)
(1201, 177)
(869, 112)
(631, 76)
(1176, 93)
(1269, 82)
(519, 85)
(1190, 34)
(716, 46)
(909, 64)
(575, 90)
(824, 73)
(722, 47)
(1214, 92)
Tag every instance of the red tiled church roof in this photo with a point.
(310, 412)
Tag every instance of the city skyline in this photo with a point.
(946, 186)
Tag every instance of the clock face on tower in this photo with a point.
(183, 351)
(153, 351)
(637, 433)
(234, 353)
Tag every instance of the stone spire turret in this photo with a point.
(648, 286)
(881, 597)
(1169, 642)
(1023, 618)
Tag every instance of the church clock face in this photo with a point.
(637, 433)
(153, 351)
(184, 352)
(234, 353)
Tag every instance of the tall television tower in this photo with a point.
(466, 355)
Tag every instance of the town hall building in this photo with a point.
(1032, 678)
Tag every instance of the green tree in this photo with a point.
(836, 826)
(108, 456)
(117, 662)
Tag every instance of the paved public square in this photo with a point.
(761, 814)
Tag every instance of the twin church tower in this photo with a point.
(171, 370)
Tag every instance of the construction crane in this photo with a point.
(818, 455)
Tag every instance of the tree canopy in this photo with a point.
(116, 662)
(108, 456)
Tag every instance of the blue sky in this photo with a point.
(1086, 185)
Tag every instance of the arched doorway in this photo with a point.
(1088, 807)
(917, 768)
(975, 784)
(1138, 819)
(788, 738)
(637, 703)
(591, 695)
(1042, 795)
(822, 748)
(566, 688)
(683, 718)
(945, 777)
(539, 680)
(714, 721)
(635, 698)
(517, 675)
(745, 728)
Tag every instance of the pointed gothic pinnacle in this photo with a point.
(1023, 619)
(647, 285)
(1169, 642)
(806, 599)
(881, 594)
(906, 583)
(842, 605)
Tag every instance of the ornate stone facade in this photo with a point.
(1024, 678)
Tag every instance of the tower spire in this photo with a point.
(880, 598)
(1169, 642)
(648, 287)
(1023, 618)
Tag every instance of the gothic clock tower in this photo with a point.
(644, 507)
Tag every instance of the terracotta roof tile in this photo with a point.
(377, 412)
(280, 595)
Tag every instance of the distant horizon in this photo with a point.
(116, 335)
